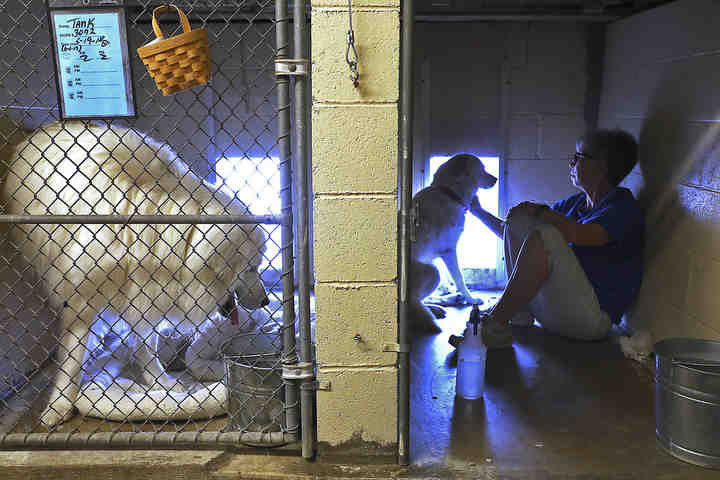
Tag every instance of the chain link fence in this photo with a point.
(147, 291)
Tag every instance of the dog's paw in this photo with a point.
(57, 412)
(437, 311)
(468, 299)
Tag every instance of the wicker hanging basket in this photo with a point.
(180, 62)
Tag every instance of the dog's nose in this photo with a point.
(265, 302)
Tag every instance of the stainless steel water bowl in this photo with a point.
(687, 399)
(256, 397)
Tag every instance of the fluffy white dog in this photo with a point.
(140, 273)
(441, 209)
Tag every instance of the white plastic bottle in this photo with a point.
(470, 382)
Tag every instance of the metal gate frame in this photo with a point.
(298, 370)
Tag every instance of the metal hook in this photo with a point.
(352, 63)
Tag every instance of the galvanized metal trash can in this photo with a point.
(687, 399)
(256, 401)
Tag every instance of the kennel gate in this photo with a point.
(244, 112)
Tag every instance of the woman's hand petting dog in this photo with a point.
(524, 208)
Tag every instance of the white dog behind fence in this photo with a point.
(141, 273)
(108, 388)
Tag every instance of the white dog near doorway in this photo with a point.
(440, 221)
(140, 273)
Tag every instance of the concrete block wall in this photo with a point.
(354, 150)
(546, 94)
(662, 72)
(533, 74)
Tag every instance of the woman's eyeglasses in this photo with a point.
(576, 158)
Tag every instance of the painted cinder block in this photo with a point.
(377, 40)
(702, 291)
(559, 134)
(664, 320)
(368, 311)
(560, 43)
(481, 136)
(554, 183)
(548, 91)
(355, 239)
(361, 404)
(671, 31)
(354, 148)
(523, 137)
(628, 89)
(554, 78)
(701, 209)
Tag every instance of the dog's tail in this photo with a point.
(118, 404)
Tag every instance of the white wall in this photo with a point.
(662, 83)
(469, 74)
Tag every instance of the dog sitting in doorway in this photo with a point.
(440, 210)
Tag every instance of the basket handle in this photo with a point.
(167, 8)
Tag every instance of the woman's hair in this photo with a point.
(618, 147)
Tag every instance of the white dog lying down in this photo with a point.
(140, 273)
(441, 211)
(112, 388)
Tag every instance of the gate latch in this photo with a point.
(396, 347)
(288, 66)
(414, 221)
(324, 385)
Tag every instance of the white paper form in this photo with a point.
(91, 54)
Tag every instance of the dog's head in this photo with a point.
(234, 264)
(464, 174)
(246, 288)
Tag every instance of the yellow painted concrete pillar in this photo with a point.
(354, 142)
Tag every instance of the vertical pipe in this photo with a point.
(505, 98)
(302, 169)
(593, 87)
(282, 83)
(405, 172)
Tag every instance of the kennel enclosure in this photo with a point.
(244, 133)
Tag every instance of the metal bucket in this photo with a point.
(687, 399)
(256, 393)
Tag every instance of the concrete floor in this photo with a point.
(553, 408)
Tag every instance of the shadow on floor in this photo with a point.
(552, 407)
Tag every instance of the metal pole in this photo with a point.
(142, 439)
(405, 172)
(292, 395)
(143, 219)
(302, 169)
(516, 17)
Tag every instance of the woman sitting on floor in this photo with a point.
(576, 266)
